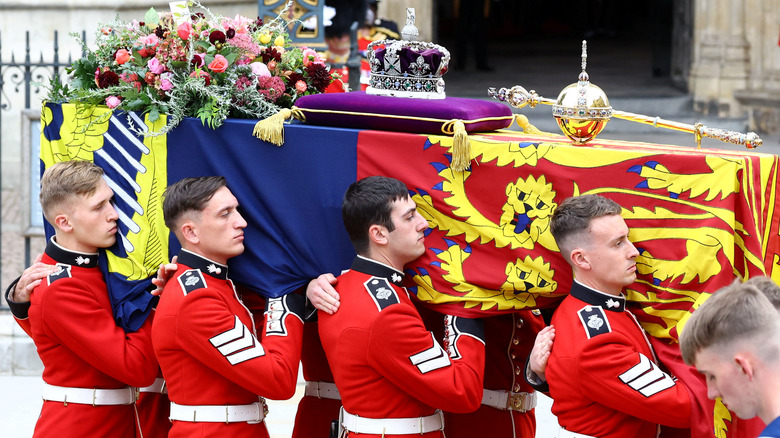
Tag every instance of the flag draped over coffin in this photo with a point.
(699, 219)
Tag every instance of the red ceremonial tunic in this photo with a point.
(315, 414)
(508, 343)
(80, 345)
(385, 363)
(603, 375)
(205, 340)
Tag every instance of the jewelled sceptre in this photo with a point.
(582, 111)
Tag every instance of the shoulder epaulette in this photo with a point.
(191, 280)
(63, 272)
(381, 292)
(594, 321)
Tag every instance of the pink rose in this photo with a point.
(113, 101)
(310, 56)
(219, 64)
(300, 86)
(122, 56)
(165, 81)
(260, 69)
(155, 66)
(184, 30)
(149, 40)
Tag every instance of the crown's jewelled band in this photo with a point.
(406, 83)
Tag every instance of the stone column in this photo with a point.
(761, 97)
(721, 56)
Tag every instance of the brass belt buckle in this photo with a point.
(516, 401)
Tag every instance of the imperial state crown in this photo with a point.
(407, 67)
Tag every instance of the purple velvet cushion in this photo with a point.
(406, 114)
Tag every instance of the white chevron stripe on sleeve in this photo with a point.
(646, 378)
(237, 344)
(431, 359)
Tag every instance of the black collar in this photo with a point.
(205, 265)
(376, 269)
(68, 257)
(593, 297)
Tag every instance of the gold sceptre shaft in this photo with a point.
(519, 97)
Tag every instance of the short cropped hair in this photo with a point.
(570, 222)
(738, 314)
(65, 180)
(769, 288)
(369, 202)
(190, 195)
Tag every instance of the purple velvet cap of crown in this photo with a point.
(408, 56)
(408, 111)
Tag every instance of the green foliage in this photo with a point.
(161, 67)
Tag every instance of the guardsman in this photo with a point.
(393, 376)
(216, 369)
(90, 364)
(603, 374)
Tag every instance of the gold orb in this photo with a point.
(582, 110)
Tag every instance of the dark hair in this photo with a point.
(189, 195)
(368, 202)
(572, 219)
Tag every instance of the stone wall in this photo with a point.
(736, 60)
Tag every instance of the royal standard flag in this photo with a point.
(699, 217)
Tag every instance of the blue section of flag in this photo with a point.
(290, 196)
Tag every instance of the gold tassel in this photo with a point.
(271, 129)
(461, 147)
(528, 128)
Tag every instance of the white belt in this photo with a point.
(563, 433)
(505, 400)
(252, 413)
(88, 396)
(322, 390)
(158, 386)
(392, 426)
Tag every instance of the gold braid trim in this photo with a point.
(271, 129)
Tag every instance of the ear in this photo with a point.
(579, 259)
(378, 234)
(189, 232)
(745, 364)
(62, 222)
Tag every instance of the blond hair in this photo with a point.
(65, 180)
(739, 314)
